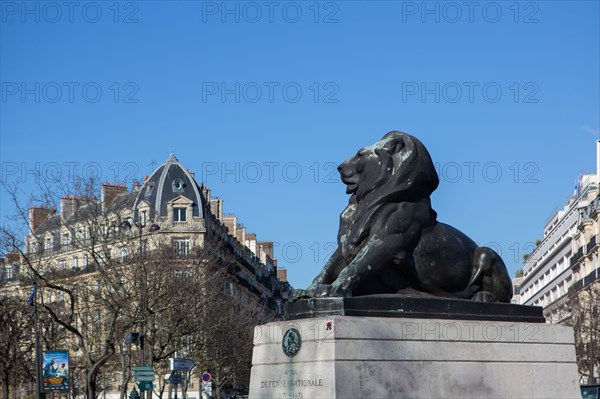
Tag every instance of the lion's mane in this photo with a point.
(401, 171)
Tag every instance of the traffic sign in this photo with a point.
(144, 372)
(206, 377)
(145, 386)
(143, 377)
(178, 364)
(173, 378)
(143, 368)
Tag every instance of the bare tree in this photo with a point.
(585, 312)
(224, 344)
(16, 344)
(193, 301)
(89, 304)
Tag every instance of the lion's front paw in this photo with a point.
(297, 294)
(326, 290)
(484, 296)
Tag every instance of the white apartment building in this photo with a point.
(567, 257)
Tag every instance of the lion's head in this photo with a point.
(389, 169)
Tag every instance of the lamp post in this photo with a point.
(592, 318)
(38, 358)
(153, 227)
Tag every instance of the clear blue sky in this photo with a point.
(503, 87)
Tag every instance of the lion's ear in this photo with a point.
(394, 145)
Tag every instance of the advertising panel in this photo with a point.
(55, 372)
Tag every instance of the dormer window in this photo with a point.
(149, 189)
(178, 186)
(179, 214)
(143, 217)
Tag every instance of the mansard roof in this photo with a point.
(86, 212)
(169, 181)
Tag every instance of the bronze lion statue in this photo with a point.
(390, 241)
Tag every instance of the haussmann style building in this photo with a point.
(169, 205)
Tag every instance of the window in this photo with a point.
(9, 272)
(75, 262)
(149, 189)
(178, 186)
(143, 217)
(179, 214)
(66, 242)
(79, 237)
(182, 275)
(144, 248)
(123, 254)
(85, 260)
(62, 264)
(181, 246)
(48, 246)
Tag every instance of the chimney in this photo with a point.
(136, 185)
(12, 257)
(68, 206)
(37, 215)
(250, 243)
(230, 224)
(206, 193)
(282, 274)
(267, 246)
(110, 191)
(216, 207)
(240, 233)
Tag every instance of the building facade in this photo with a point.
(566, 255)
(562, 274)
(169, 204)
(167, 208)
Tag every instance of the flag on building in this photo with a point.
(32, 295)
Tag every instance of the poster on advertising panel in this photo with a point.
(55, 372)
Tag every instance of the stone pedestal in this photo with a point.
(335, 356)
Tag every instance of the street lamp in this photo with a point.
(153, 228)
(38, 355)
(592, 318)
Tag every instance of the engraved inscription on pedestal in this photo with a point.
(291, 360)
(289, 384)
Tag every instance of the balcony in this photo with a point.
(578, 255)
(591, 244)
(584, 282)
